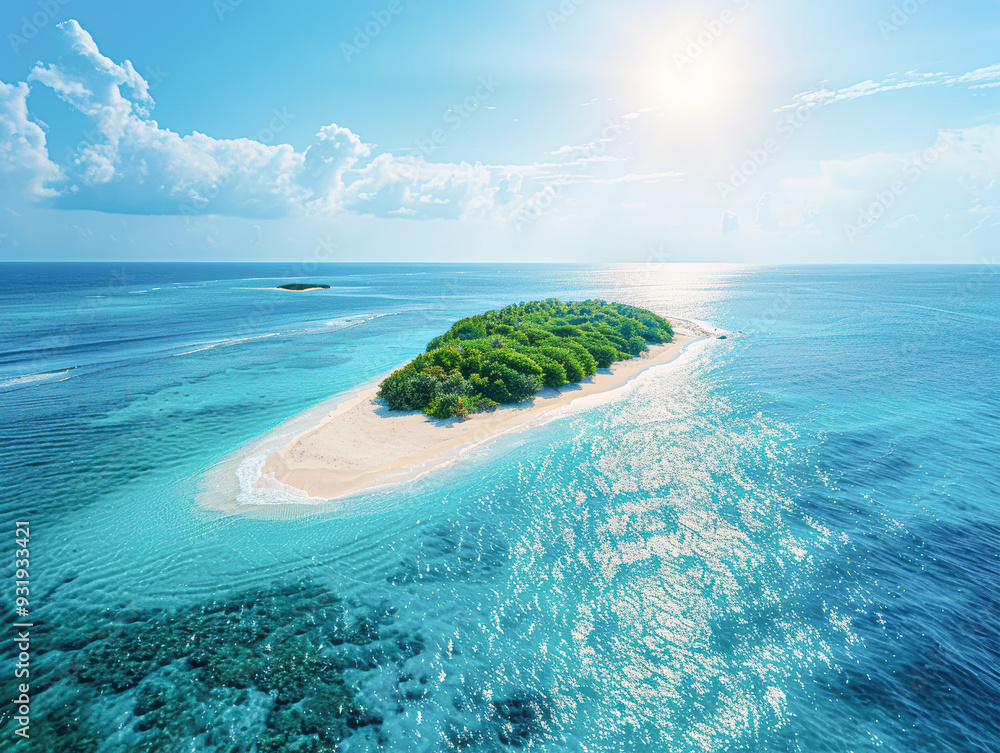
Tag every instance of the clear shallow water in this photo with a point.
(784, 541)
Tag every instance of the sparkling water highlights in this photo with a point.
(783, 541)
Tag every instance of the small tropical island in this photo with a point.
(487, 375)
(299, 287)
(508, 356)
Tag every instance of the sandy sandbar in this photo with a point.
(362, 444)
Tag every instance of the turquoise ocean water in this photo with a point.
(788, 540)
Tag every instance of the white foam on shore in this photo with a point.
(249, 472)
(245, 465)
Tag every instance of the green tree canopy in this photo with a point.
(507, 356)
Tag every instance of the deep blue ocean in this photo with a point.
(788, 540)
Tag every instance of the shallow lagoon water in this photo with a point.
(786, 540)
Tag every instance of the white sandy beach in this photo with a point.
(361, 444)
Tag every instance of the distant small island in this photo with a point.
(510, 355)
(299, 286)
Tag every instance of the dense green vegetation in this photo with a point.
(302, 286)
(507, 356)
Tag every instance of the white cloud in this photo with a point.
(981, 78)
(639, 178)
(133, 165)
(765, 220)
(949, 189)
(730, 222)
(24, 160)
(324, 163)
(641, 111)
(127, 163)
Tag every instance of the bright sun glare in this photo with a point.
(696, 93)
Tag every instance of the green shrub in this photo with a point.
(448, 358)
(637, 345)
(468, 329)
(481, 404)
(583, 357)
(448, 406)
(574, 371)
(496, 390)
(522, 386)
(408, 391)
(553, 372)
(603, 353)
(456, 384)
(517, 361)
(508, 355)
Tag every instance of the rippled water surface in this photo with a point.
(783, 541)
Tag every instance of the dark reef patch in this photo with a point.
(455, 550)
(521, 718)
(259, 671)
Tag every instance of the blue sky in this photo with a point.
(581, 130)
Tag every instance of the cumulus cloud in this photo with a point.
(128, 163)
(412, 187)
(24, 160)
(324, 163)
